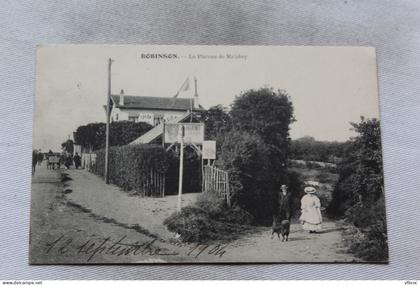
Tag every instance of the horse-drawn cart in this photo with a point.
(53, 161)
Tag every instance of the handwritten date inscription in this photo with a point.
(121, 247)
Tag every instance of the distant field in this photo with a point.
(322, 175)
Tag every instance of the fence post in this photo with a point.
(227, 189)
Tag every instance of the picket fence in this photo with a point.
(153, 183)
(217, 181)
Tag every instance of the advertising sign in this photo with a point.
(209, 150)
(171, 117)
(193, 133)
(147, 118)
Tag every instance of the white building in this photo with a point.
(152, 110)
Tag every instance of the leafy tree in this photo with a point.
(255, 149)
(217, 122)
(267, 113)
(309, 149)
(68, 146)
(246, 157)
(369, 173)
(361, 173)
(90, 136)
(358, 195)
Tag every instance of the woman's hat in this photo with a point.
(309, 190)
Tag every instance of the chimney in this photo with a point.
(121, 98)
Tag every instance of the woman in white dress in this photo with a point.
(311, 218)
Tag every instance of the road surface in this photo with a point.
(65, 231)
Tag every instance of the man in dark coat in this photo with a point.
(34, 160)
(77, 160)
(40, 157)
(284, 210)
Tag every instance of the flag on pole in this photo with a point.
(184, 87)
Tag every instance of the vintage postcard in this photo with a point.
(206, 154)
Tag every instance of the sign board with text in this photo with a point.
(209, 150)
(193, 133)
(147, 118)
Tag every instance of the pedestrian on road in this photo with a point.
(34, 160)
(284, 209)
(77, 160)
(68, 161)
(311, 218)
(40, 157)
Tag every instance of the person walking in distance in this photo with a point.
(77, 160)
(40, 157)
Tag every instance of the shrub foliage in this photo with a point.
(255, 150)
(358, 195)
(129, 166)
(209, 220)
(92, 136)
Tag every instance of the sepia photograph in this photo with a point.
(206, 154)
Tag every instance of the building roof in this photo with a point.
(157, 131)
(147, 102)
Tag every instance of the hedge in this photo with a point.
(130, 166)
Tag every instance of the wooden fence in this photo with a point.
(217, 181)
(153, 184)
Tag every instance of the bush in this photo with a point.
(252, 179)
(209, 219)
(370, 243)
(192, 224)
(358, 195)
(92, 136)
(129, 166)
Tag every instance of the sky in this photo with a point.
(328, 86)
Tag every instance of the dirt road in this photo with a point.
(325, 246)
(63, 231)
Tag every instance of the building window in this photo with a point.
(133, 118)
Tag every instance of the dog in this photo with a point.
(282, 229)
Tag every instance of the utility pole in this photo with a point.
(181, 167)
(108, 114)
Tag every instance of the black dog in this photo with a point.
(283, 228)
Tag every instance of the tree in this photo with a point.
(309, 149)
(358, 195)
(255, 149)
(217, 122)
(369, 173)
(361, 173)
(267, 113)
(246, 157)
(68, 146)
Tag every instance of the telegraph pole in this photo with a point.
(181, 167)
(108, 114)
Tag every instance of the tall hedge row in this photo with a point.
(130, 165)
